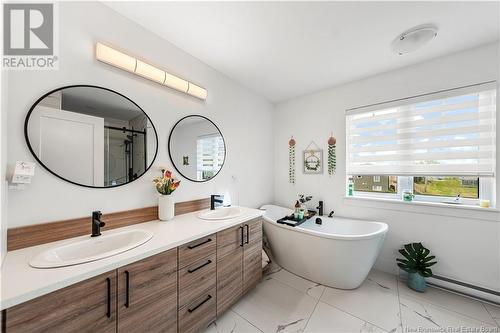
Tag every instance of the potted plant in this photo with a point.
(416, 263)
(166, 185)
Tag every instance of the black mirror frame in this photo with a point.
(85, 86)
(170, 154)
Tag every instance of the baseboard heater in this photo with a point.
(466, 289)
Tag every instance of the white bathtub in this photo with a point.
(339, 253)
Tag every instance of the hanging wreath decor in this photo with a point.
(313, 159)
(332, 155)
(291, 160)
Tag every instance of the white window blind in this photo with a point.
(210, 155)
(447, 133)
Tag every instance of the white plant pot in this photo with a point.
(166, 207)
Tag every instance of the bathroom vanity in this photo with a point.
(187, 275)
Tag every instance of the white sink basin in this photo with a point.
(222, 213)
(90, 249)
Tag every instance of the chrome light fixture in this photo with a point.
(131, 64)
(414, 38)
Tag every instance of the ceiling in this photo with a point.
(283, 50)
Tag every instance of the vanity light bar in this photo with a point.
(123, 61)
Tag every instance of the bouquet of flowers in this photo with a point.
(166, 184)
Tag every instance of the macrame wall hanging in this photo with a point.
(291, 160)
(313, 159)
(332, 155)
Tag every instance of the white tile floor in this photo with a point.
(284, 302)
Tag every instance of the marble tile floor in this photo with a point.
(284, 302)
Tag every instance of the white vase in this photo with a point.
(166, 207)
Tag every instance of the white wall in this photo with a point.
(466, 243)
(245, 119)
(3, 166)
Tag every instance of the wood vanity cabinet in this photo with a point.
(147, 294)
(179, 290)
(239, 262)
(88, 306)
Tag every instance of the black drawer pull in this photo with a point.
(248, 234)
(201, 266)
(204, 301)
(127, 289)
(199, 244)
(241, 241)
(108, 308)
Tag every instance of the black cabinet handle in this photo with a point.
(241, 241)
(199, 244)
(127, 289)
(204, 301)
(248, 234)
(208, 262)
(108, 309)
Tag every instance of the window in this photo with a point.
(382, 184)
(466, 187)
(210, 155)
(437, 146)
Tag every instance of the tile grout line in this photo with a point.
(315, 306)
(399, 304)
(491, 315)
(353, 315)
(246, 320)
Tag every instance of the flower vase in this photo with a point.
(166, 207)
(416, 282)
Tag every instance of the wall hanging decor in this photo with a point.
(313, 159)
(291, 160)
(332, 155)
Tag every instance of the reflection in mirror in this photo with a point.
(197, 148)
(91, 136)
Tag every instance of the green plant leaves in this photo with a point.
(417, 259)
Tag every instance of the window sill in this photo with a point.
(431, 208)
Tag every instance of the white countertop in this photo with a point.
(20, 282)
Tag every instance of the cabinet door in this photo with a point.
(252, 254)
(88, 306)
(252, 265)
(229, 267)
(147, 294)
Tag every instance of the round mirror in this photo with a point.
(91, 136)
(197, 148)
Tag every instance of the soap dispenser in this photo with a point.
(297, 210)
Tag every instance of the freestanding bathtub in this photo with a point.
(339, 253)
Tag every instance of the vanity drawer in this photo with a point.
(198, 314)
(196, 279)
(196, 250)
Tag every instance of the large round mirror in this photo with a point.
(91, 136)
(197, 148)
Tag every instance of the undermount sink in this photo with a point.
(222, 213)
(90, 249)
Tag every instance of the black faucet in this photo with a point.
(97, 224)
(216, 201)
(320, 208)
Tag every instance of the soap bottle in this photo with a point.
(297, 210)
(350, 187)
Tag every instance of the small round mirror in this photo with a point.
(197, 148)
(91, 136)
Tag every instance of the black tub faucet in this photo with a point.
(216, 201)
(320, 208)
(97, 224)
